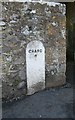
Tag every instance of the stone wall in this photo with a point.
(22, 23)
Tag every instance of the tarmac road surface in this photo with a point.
(50, 103)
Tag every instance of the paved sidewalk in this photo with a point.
(52, 103)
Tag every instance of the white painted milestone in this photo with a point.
(35, 67)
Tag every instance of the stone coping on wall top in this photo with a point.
(37, 1)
